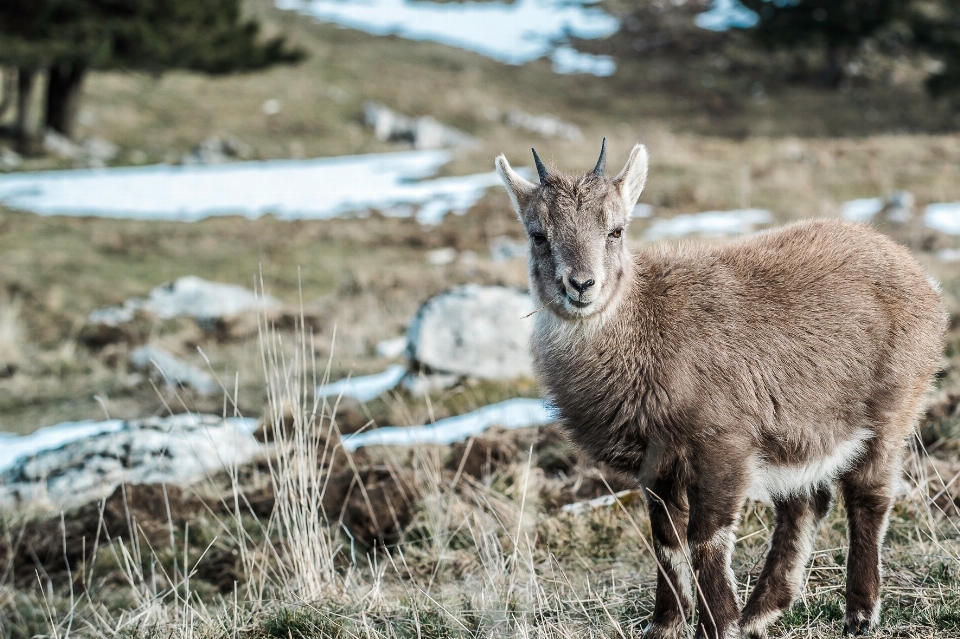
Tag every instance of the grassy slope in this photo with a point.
(464, 564)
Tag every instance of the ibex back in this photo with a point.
(770, 367)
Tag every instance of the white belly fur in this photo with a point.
(769, 481)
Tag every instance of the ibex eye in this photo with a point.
(538, 238)
(616, 233)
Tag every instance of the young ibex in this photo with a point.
(770, 367)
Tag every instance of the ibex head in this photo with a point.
(576, 226)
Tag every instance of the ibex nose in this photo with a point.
(581, 286)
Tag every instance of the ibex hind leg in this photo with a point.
(798, 517)
(868, 493)
(868, 497)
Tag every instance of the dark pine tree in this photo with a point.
(836, 26)
(936, 31)
(70, 37)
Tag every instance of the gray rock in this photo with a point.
(475, 331)
(898, 207)
(192, 296)
(167, 367)
(97, 152)
(179, 449)
(10, 160)
(218, 150)
(423, 132)
(418, 385)
(61, 146)
(546, 125)
(114, 315)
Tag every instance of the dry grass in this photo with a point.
(484, 556)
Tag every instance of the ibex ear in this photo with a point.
(633, 177)
(519, 190)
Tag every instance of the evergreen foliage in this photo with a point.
(837, 26)
(936, 31)
(70, 36)
(143, 35)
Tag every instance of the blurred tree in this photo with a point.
(69, 37)
(936, 31)
(837, 26)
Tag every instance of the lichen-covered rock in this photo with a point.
(475, 331)
(179, 449)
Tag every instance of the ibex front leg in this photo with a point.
(715, 503)
(667, 504)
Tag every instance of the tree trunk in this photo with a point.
(833, 72)
(25, 83)
(9, 89)
(63, 96)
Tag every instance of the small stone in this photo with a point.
(10, 160)
(61, 146)
(424, 132)
(442, 256)
(172, 370)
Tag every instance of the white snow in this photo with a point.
(948, 255)
(625, 497)
(861, 210)
(365, 387)
(726, 14)
(392, 348)
(512, 32)
(511, 414)
(714, 223)
(291, 189)
(943, 217)
(14, 448)
(567, 60)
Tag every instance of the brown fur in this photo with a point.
(780, 362)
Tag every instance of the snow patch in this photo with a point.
(861, 210)
(321, 188)
(713, 223)
(567, 60)
(511, 414)
(365, 387)
(726, 14)
(512, 32)
(15, 448)
(943, 217)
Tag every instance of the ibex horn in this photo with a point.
(602, 162)
(541, 169)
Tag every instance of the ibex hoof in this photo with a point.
(857, 624)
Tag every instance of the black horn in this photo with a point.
(541, 169)
(602, 162)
